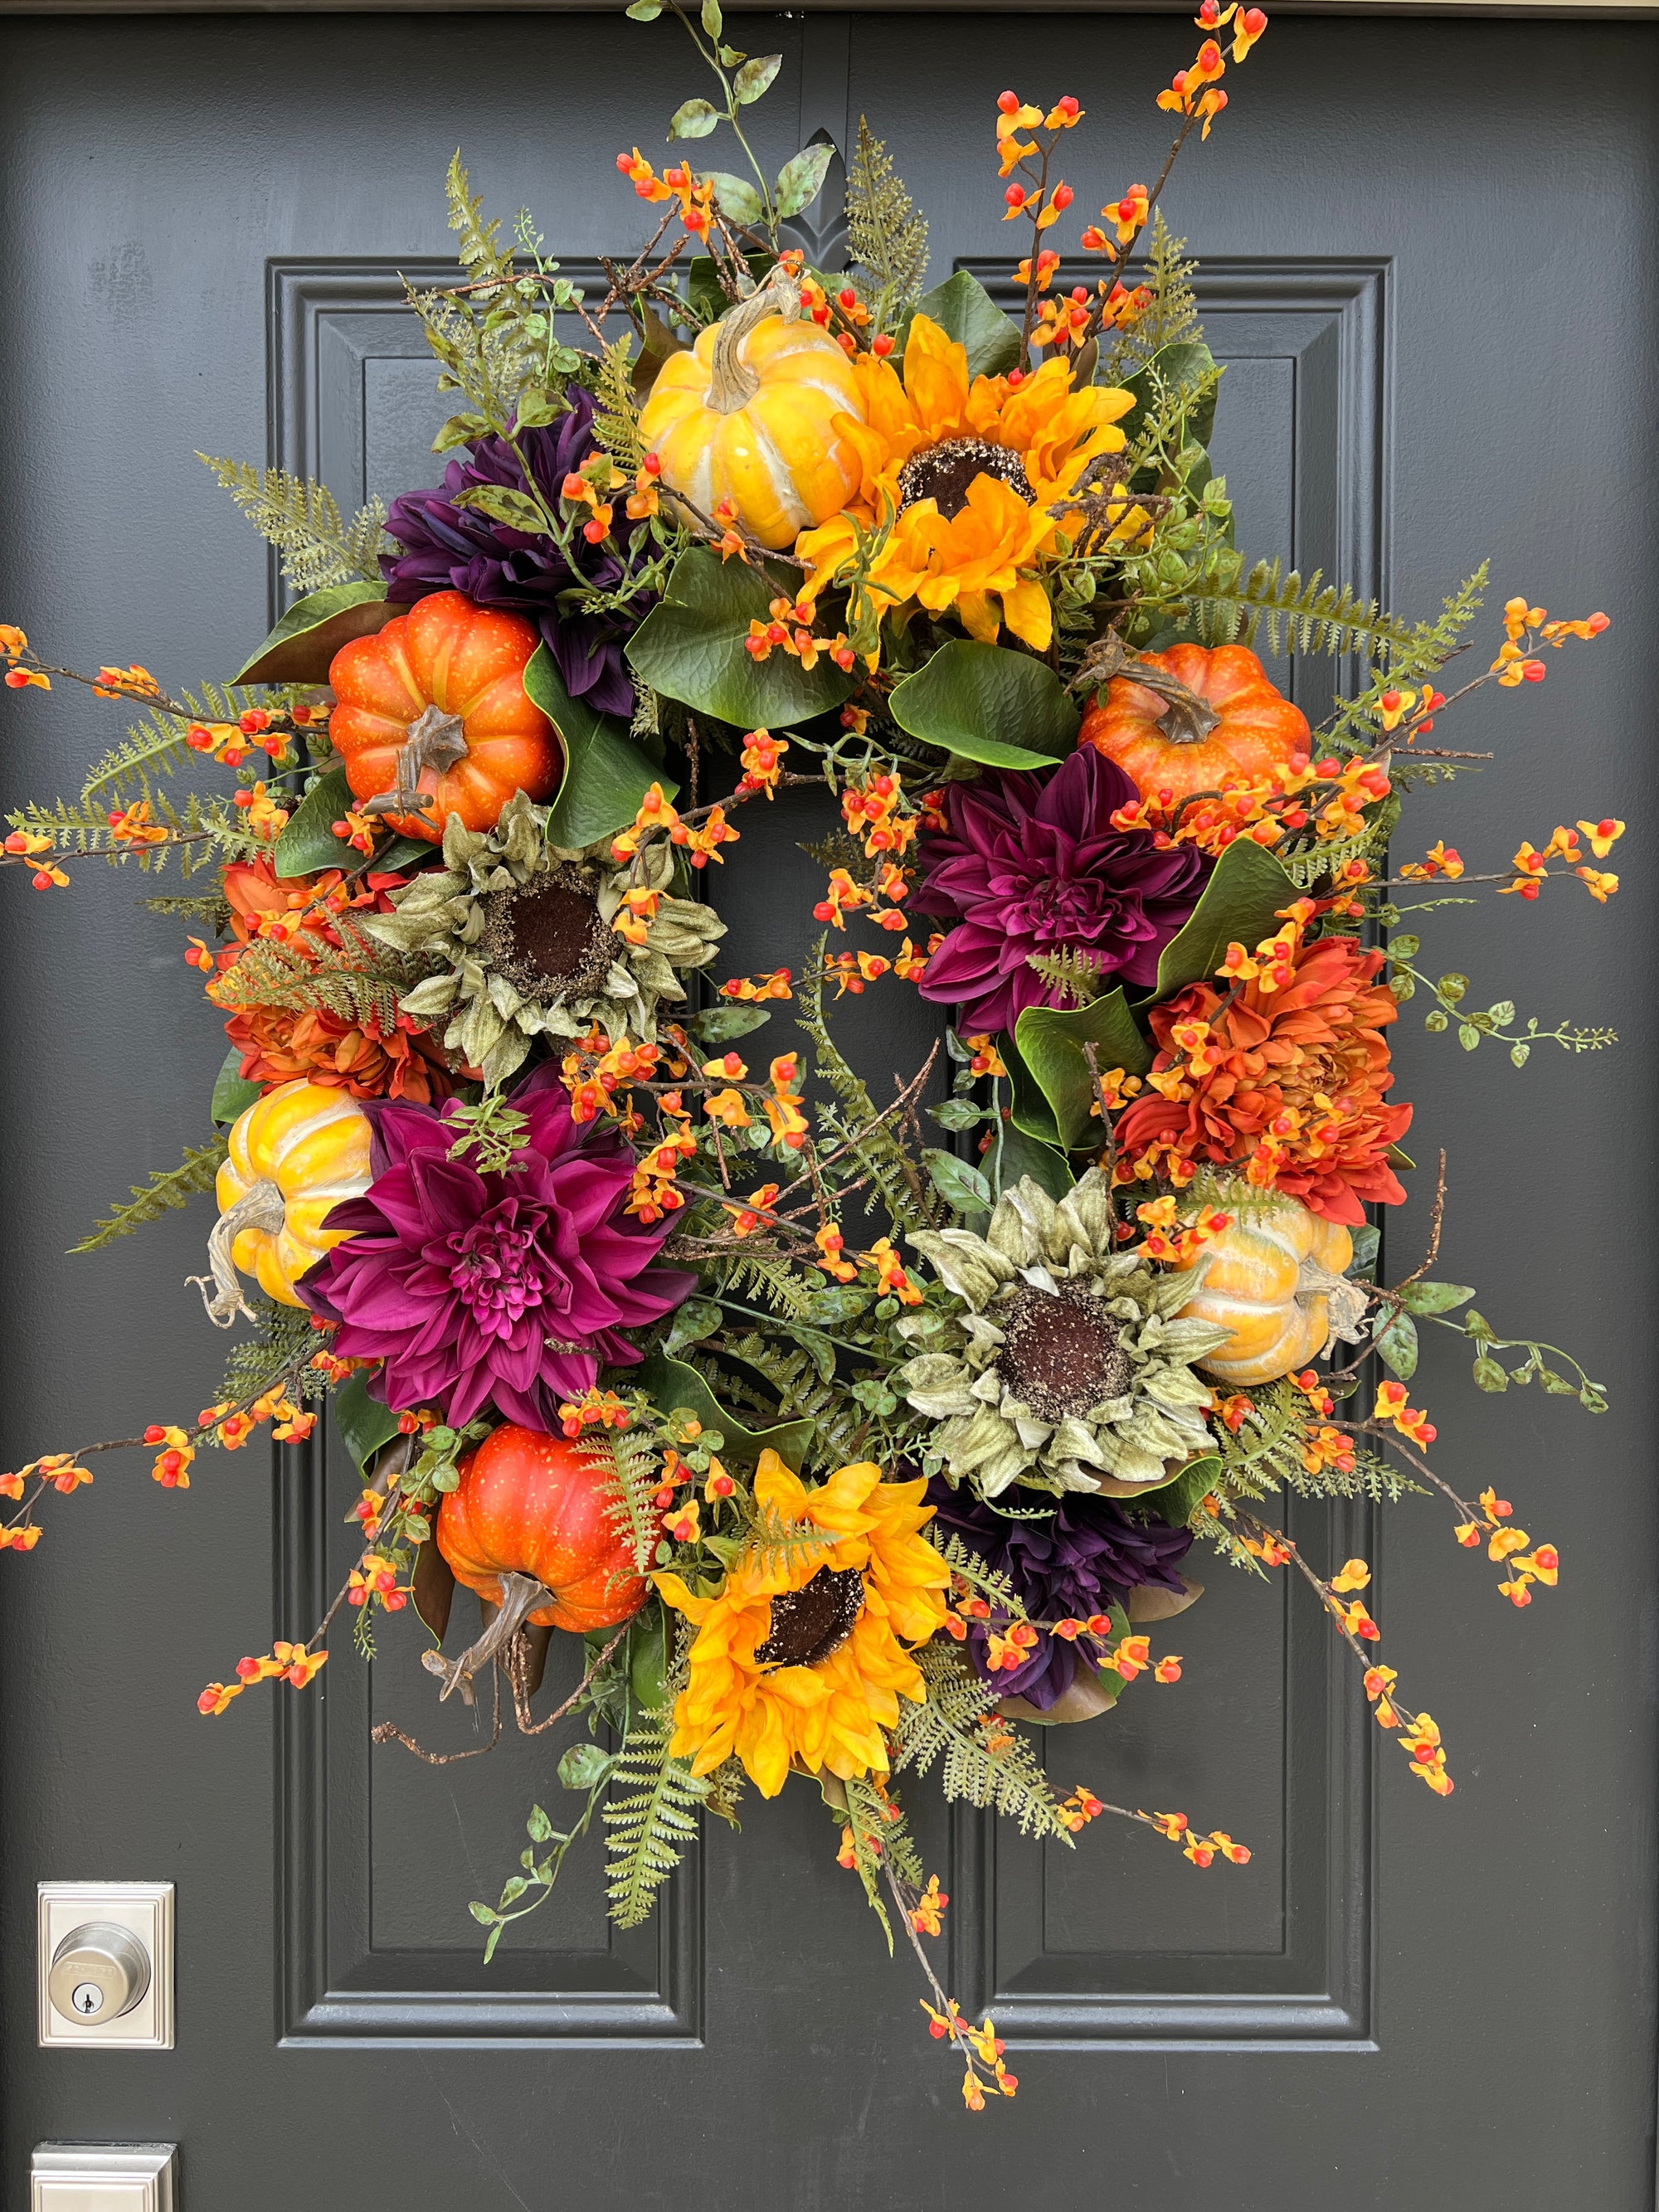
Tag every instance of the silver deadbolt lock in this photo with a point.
(98, 1972)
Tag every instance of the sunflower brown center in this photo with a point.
(810, 1623)
(1062, 1355)
(943, 473)
(548, 940)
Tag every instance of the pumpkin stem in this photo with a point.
(520, 1595)
(433, 740)
(732, 384)
(1186, 719)
(261, 1207)
(1346, 1302)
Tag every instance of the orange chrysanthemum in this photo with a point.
(278, 1044)
(1286, 1082)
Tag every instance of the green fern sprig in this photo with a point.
(1426, 649)
(302, 520)
(156, 746)
(987, 1582)
(886, 238)
(1008, 1778)
(1076, 972)
(651, 1817)
(799, 1388)
(629, 1461)
(772, 1281)
(479, 251)
(616, 425)
(168, 1191)
(1297, 614)
(776, 1544)
(281, 1348)
(1171, 315)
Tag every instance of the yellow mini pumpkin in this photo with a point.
(295, 1154)
(748, 415)
(1275, 1278)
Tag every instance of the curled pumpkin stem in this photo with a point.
(434, 740)
(732, 384)
(520, 1595)
(261, 1208)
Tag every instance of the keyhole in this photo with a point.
(87, 1999)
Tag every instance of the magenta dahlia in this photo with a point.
(513, 1287)
(1028, 862)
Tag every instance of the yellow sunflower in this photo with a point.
(801, 1658)
(971, 472)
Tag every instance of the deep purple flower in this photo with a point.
(512, 1287)
(1087, 1555)
(1030, 862)
(454, 548)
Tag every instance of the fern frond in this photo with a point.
(650, 1819)
(987, 1582)
(775, 1544)
(168, 1191)
(1076, 971)
(910, 1202)
(361, 983)
(771, 1281)
(156, 746)
(1171, 315)
(865, 1832)
(210, 908)
(615, 420)
(281, 1347)
(1297, 614)
(886, 238)
(1426, 647)
(302, 521)
(630, 1464)
(725, 1787)
(994, 1768)
(793, 1374)
(479, 251)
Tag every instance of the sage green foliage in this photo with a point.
(168, 1191)
(967, 692)
(302, 520)
(690, 647)
(1010, 1781)
(886, 238)
(585, 1767)
(650, 1819)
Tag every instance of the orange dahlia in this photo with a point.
(278, 1042)
(1285, 1082)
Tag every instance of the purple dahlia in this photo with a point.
(472, 1286)
(1028, 862)
(1086, 1555)
(454, 548)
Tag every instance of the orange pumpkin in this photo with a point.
(434, 703)
(537, 1505)
(1203, 715)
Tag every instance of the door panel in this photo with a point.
(1420, 261)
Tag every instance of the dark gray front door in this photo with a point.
(1428, 260)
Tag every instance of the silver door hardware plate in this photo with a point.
(104, 1969)
(104, 2178)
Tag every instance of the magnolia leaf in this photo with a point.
(606, 773)
(1051, 1041)
(1241, 905)
(363, 1422)
(693, 119)
(1395, 1339)
(720, 1025)
(670, 1384)
(752, 79)
(691, 648)
(800, 179)
(308, 844)
(968, 691)
(1175, 1501)
(965, 310)
(1433, 1297)
(233, 1094)
(734, 196)
(965, 1187)
(1029, 1110)
(304, 643)
(1019, 1155)
(1367, 1242)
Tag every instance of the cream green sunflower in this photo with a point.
(1069, 1369)
(525, 932)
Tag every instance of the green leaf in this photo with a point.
(836, 1302)
(1175, 1501)
(967, 692)
(363, 1422)
(691, 648)
(734, 196)
(1489, 1374)
(460, 430)
(669, 1384)
(1178, 367)
(606, 773)
(713, 21)
(1452, 988)
(693, 119)
(965, 1187)
(1367, 1241)
(515, 509)
(1051, 1041)
(752, 79)
(1395, 1339)
(539, 1827)
(308, 844)
(1025, 1156)
(720, 1025)
(965, 310)
(1434, 1297)
(1520, 1054)
(957, 1113)
(233, 1094)
(696, 1319)
(535, 410)
(800, 179)
(644, 11)
(1240, 905)
(304, 643)
(582, 1765)
(819, 1350)
(1031, 1112)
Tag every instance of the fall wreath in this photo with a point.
(852, 1447)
